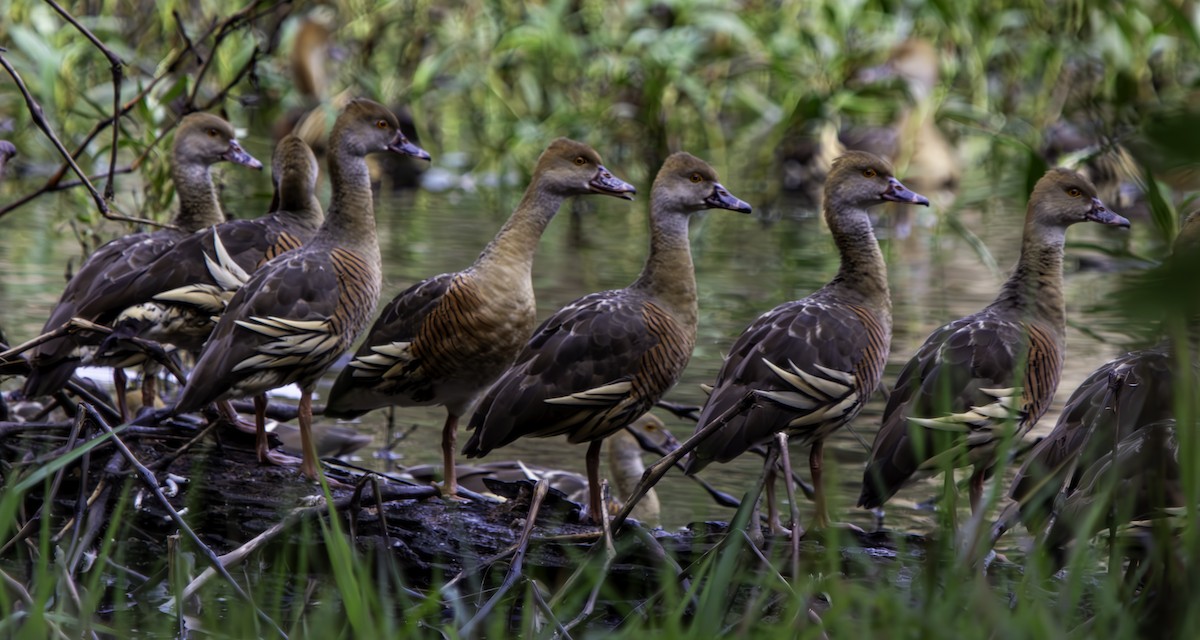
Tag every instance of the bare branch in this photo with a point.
(39, 119)
(116, 64)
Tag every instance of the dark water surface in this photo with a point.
(744, 265)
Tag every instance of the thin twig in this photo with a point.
(188, 46)
(117, 74)
(16, 587)
(223, 30)
(33, 521)
(540, 601)
(39, 119)
(657, 470)
(767, 565)
(470, 629)
(647, 444)
(170, 67)
(246, 68)
(610, 554)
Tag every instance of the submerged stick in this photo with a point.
(657, 470)
(692, 412)
(720, 497)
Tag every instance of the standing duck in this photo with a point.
(1118, 399)
(962, 383)
(304, 308)
(201, 141)
(814, 362)
(602, 361)
(175, 298)
(1136, 481)
(446, 339)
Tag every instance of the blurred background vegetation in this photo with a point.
(488, 82)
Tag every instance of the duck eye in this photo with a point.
(697, 178)
(580, 161)
(212, 133)
(382, 124)
(870, 173)
(1074, 192)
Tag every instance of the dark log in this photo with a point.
(229, 499)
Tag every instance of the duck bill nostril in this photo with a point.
(606, 183)
(1101, 214)
(404, 146)
(897, 192)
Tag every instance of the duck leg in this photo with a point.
(225, 407)
(119, 382)
(776, 527)
(976, 487)
(260, 428)
(309, 465)
(263, 446)
(595, 501)
(449, 436)
(150, 384)
(816, 458)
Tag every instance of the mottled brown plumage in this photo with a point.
(954, 399)
(176, 298)
(605, 359)
(201, 141)
(1115, 401)
(303, 309)
(446, 339)
(1137, 479)
(813, 363)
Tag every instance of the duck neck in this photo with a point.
(514, 245)
(297, 201)
(669, 274)
(862, 274)
(350, 222)
(199, 206)
(1035, 287)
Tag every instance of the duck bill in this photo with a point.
(606, 183)
(897, 192)
(1100, 213)
(237, 155)
(720, 198)
(403, 146)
